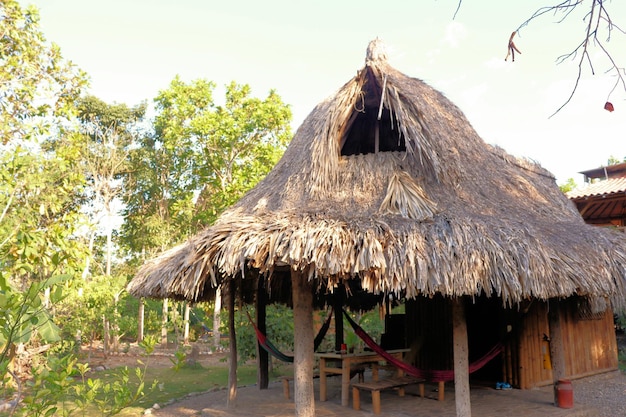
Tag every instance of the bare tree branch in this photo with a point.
(595, 19)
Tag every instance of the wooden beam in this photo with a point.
(557, 350)
(232, 338)
(303, 346)
(262, 379)
(337, 311)
(461, 359)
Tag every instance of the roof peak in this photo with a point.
(376, 51)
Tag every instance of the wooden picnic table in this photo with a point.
(348, 360)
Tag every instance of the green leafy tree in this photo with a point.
(238, 144)
(108, 132)
(201, 158)
(569, 185)
(614, 161)
(36, 83)
(40, 192)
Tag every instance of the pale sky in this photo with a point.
(307, 50)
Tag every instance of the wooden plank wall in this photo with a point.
(533, 327)
(591, 346)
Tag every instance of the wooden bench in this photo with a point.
(376, 386)
(360, 371)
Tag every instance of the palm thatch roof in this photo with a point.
(388, 183)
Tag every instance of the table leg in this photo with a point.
(400, 371)
(322, 379)
(345, 382)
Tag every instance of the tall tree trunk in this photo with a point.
(164, 324)
(109, 250)
(217, 322)
(142, 308)
(186, 328)
(557, 350)
(232, 365)
(115, 328)
(92, 237)
(304, 340)
(461, 359)
(105, 336)
(140, 320)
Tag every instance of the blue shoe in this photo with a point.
(498, 385)
(505, 386)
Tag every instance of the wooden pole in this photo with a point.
(232, 337)
(186, 324)
(303, 337)
(337, 311)
(217, 337)
(461, 359)
(164, 313)
(557, 351)
(262, 379)
(140, 320)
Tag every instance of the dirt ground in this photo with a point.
(601, 395)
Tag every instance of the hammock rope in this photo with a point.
(270, 348)
(427, 374)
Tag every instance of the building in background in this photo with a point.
(602, 199)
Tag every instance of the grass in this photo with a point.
(175, 384)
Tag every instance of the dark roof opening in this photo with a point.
(366, 133)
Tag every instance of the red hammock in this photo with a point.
(274, 351)
(427, 374)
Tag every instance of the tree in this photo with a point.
(598, 27)
(40, 192)
(36, 83)
(239, 143)
(613, 160)
(109, 132)
(569, 185)
(201, 158)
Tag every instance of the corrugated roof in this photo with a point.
(610, 186)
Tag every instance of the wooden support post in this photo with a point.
(337, 311)
(232, 339)
(303, 338)
(140, 320)
(262, 380)
(186, 324)
(217, 323)
(557, 351)
(461, 359)
(164, 314)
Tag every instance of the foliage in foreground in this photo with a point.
(60, 386)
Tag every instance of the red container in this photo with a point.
(564, 394)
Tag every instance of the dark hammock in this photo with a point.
(427, 374)
(270, 348)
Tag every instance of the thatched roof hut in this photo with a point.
(387, 182)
